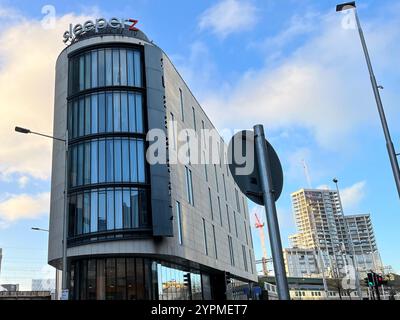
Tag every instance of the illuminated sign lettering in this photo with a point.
(76, 31)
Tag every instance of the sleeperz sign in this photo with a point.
(79, 29)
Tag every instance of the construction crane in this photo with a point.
(260, 226)
(306, 173)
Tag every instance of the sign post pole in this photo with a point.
(270, 211)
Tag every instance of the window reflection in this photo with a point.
(107, 160)
(112, 279)
(98, 113)
(109, 67)
(107, 210)
(134, 278)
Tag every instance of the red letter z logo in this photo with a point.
(132, 27)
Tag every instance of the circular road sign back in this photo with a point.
(250, 184)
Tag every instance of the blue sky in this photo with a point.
(295, 66)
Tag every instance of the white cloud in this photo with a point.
(27, 62)
(24, 206)
(229, 16)
(323, 86)
(23, 181)
(352, 196)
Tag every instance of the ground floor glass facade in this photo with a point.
(135, 278)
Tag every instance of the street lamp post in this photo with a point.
(56, 286)
(64, 241)
(375, 87)
(351, 245)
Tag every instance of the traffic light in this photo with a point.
(371, 279)
(186, 279)
(378, 280)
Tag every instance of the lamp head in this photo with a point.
(22, 130)
(346, 6)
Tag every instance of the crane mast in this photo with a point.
(260, 226)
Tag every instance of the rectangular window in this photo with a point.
(102, 66)
(126, 209)
(244, 258)
(125, 160)
(131, 278)
(143, 208)
(110, 279)
(223, 180)
(138, 71)
(75, 125)
(82, 72)
(245, 232)
(93, 212)
(135, 208)
(133, 160)
(182, 106)
(236, 228)
(131, 68)
(124, 113)
(73, 164)
(110, 209)
(117, 160)
(81, 119)
(109, 68)
(102, 161)
(102, 113)
(86, 179)
(94, 112)
(109, 108)
(211, 206)
(215, 243)
(237, 200)
(205, 237)
(219, 209)
(87, 71)
(251, 263)
(122, 59)
(116, 71)
(118, 209)
(231, 252)
(87, 115)
(179, 221)
(86, 212)
(139, 113)
(205, 166)
(102, 211)
(189, 185)
(229, 220)
(251, 237)
(94, 69)
(91, 283)
(120, 293)
(188, 144)
(117, 112)
(132, 112)
(244, 208)
(216, 177)
(110, 160)
(141, 161)
(173, 131)
(80, 164)
(194, 118)
(79, 214)
(72, 216)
